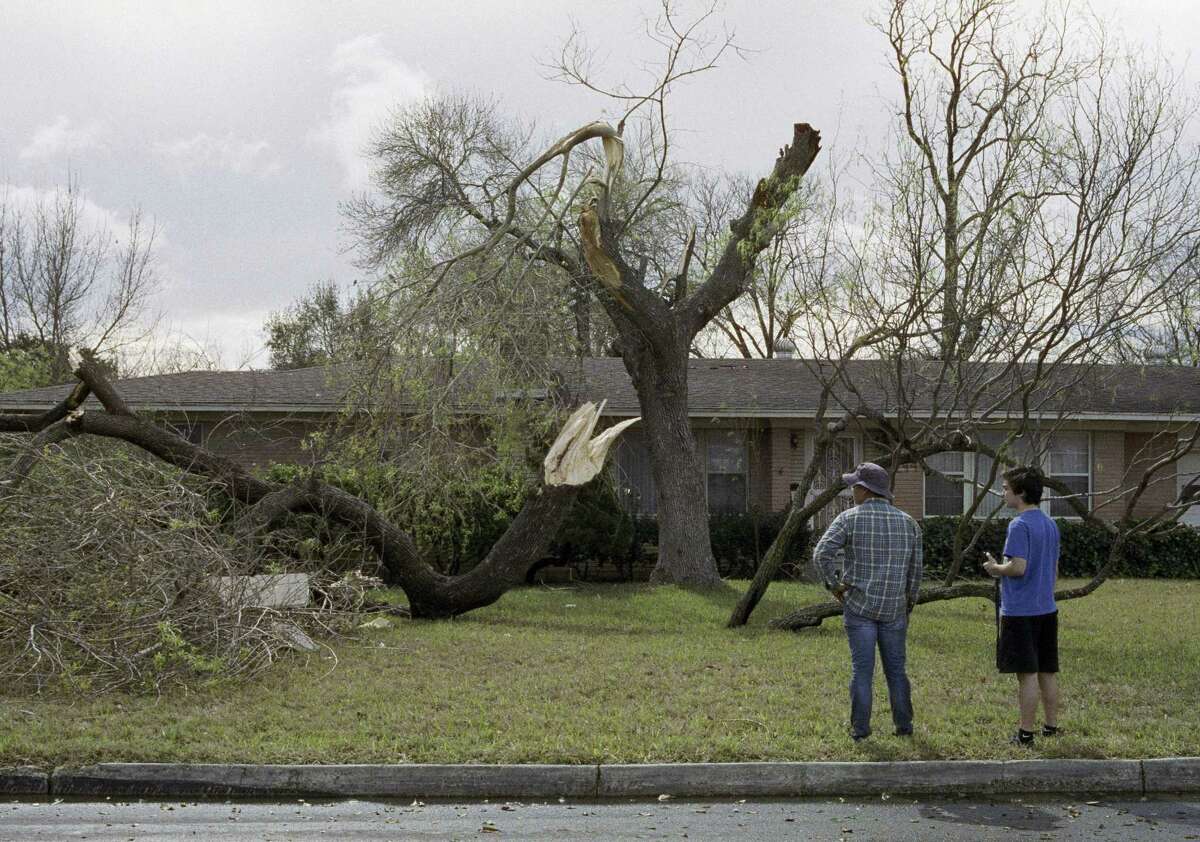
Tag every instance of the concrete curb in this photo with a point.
(379, 781)
(1171, 774)
(681, 780)
(23, 780)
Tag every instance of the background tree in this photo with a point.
(309, 332)
(453, 210)
(67, 282)
(1170, 337)
(806, 253)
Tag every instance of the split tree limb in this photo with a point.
(14, 423)
(753, 231)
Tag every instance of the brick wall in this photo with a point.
(908, 484)
(1141, 450)
(258, 440)
(1108, 468)
(786, 463)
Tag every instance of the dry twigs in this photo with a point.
(107, 566)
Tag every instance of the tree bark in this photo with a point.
(685, 554)
(813, 615)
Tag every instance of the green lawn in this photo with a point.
(626, 673)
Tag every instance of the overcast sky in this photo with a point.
(238, 125)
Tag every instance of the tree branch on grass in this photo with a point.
(574, 459)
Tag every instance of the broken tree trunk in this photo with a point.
(655, 337)
(573, 460)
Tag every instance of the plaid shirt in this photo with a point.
(883, 558)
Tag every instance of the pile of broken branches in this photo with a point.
(109, 564)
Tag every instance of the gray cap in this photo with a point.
(871, 477)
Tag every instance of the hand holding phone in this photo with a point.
(988, 565)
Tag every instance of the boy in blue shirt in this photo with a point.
(1028, 644)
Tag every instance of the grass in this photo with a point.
(626, 673)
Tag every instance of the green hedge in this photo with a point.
(1170, 554)
(456, 527)
(740, 541)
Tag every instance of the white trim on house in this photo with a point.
(1182, 418)
(1187, 467)
(775, 414)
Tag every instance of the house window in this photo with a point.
(979, 467)
(635, 477)
(723, 454)
(726, 467)
(1068, 459)
(1065, 456)
(943, 495)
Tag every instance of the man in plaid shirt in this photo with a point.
(877, 587)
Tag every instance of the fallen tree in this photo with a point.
(574, 459)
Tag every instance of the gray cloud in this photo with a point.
(61, 139)
(371, 84)
(264, 107)
(244, 157)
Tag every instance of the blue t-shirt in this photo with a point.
(1033, 537)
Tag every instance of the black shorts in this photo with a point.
(1028, 644)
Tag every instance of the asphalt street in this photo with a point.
(899, 819)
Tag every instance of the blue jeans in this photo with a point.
(863, 634)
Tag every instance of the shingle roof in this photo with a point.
(789, 387)
(304, 389)
(720, 387)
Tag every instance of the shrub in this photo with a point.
(1172, 553)
(453, 523)
(597, 527)
(740, 541)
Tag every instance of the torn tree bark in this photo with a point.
(573, 460)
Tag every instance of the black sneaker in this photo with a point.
(1051, 731)
(899, 733)
(858, 738)
(1022, 738)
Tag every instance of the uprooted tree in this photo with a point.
(574, 459)
(451, 198)
(1038, 205)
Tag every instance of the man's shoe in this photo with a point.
(1051, 731)
(900, 733)
(858, 738)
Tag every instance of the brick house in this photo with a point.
(754, 425)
